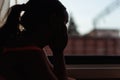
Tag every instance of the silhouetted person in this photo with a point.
(45, 24)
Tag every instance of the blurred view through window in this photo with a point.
(93, 28)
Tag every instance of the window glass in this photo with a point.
(94, 28)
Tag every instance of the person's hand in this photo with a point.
(70, 78)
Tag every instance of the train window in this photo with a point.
(93, 49)
(93, 30)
